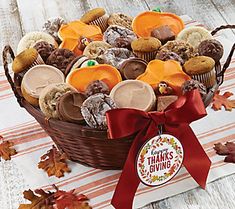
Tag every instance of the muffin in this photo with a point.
(97, 17)
(201, 68)
(121, 20)
(146, 48)
(25, 60)
(44, 49)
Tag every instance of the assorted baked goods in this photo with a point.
(76, 71)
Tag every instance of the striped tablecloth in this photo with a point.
(31, 142)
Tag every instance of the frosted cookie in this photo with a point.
(194, 35)
(134, 94)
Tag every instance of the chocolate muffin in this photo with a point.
(44, 49)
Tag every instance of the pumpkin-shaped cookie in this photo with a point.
(145, 22)
(82, 77)
(169, 71)
(72, 33)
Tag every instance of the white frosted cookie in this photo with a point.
(30, 39)
(194, 35)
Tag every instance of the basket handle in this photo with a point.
(229, 58)
(8, 50)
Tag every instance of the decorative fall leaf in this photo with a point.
(6, 151)
(69, 200)
(222, 100)
(54, 163)
(221, 149)
(43, 201)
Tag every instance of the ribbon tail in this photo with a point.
(196, 160)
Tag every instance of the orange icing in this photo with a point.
(70, 35)
(82, 77)
(145, 22)
(169, 71)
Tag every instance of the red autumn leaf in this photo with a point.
(221, 149)
(222, 100)
(42, 200)
(230, 158)
(54, 163)
(6, 150)
(69, 200)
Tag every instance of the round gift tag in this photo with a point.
(159, 160)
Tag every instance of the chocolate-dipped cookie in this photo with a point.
(60, 58)
(211, 48)
(69, 105)
(94, 109)
(163, 34)
(132, 68)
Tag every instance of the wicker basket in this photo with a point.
(86, 145)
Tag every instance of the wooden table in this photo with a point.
(21, 16)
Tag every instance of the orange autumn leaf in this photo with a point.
(54, 163)
(41, 201)
(6, 150)
(222, 100)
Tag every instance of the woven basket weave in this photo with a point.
(86, 145)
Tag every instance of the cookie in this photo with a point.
(132, 68)
(120, 20)
(115, 56)
(118, 36)
(164, 101)
(36, 79)
(211, 48)
(44, 49)
(30, 39)
(96, 87)
(183, 49)
(134, 94)
(146, 48)
(94, 108)
(95, 49)
(97, 17)
(68, 107)
(50, 96)
(168, 55)
(60, 58)
(163, 34)
(194, 35)
(201, 68)
(76, 63)
(52, 26)
(26, 60)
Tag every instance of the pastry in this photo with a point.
(169, 72)
(52, 26)
(118, 36)
(165, 55)
(44, 49)
(89, 63)
(146, 48)
(134, 94)
(194, 35)
(183, 49)
(94, 108)
(193, 84)
(211, 48)
(95, 87)
(60, 58)
(95, 49)
(81, 78)
(76, 63)
(132, 68)
(121, 20)
(49, 97)
(68, 107)
(25, 60)
(97, 17)
(201, 68)
(164, 101)
(115, 56)
(146, 22)
(163, 34)
(73, 35)
(36, 79)
(30, 39)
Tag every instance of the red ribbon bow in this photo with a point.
(176, 119)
